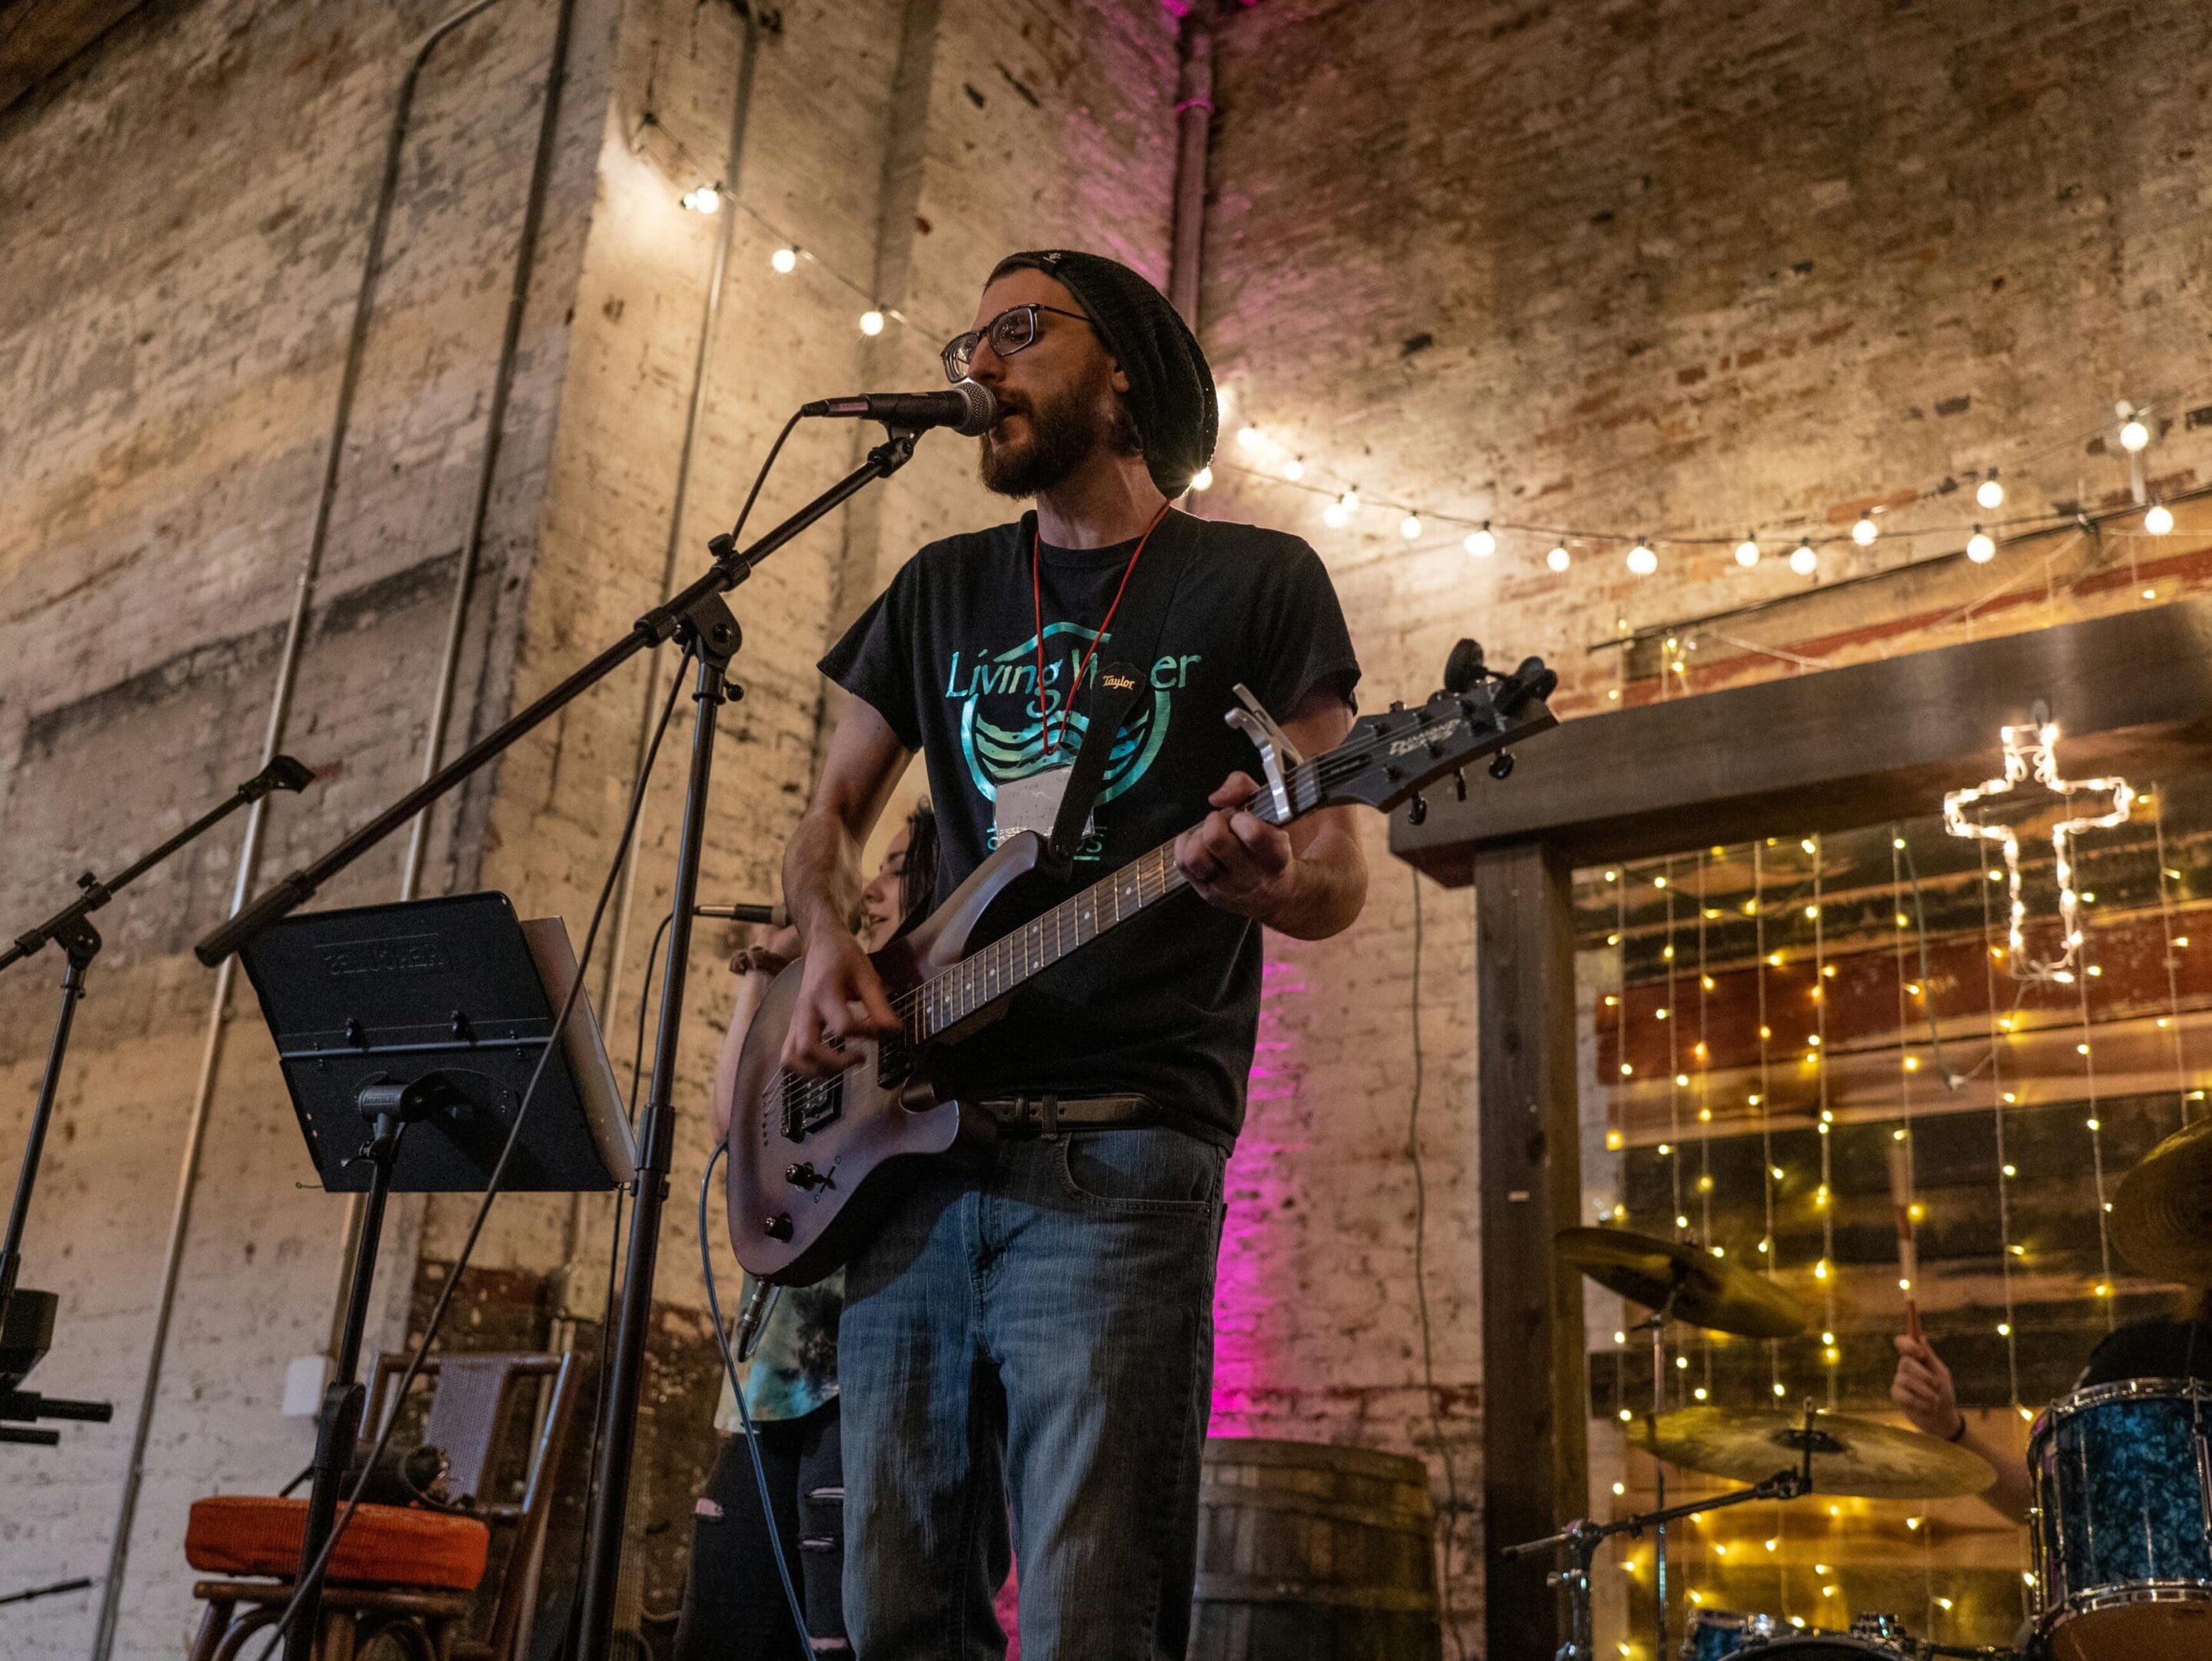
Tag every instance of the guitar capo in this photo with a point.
(1276, 752)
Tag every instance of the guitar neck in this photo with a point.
(947, 998)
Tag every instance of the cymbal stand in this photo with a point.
(1581, 1538)
(1657, 1322)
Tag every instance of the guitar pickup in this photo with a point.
(1278, 754)
(808, 1104)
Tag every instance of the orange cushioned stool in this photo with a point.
(394, 1568)
(382, 1546)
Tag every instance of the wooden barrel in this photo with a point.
(1312, 1552)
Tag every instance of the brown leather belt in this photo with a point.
(1048, 1116)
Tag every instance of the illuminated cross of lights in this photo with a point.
(2031, 751)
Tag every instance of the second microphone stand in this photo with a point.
(26, 1316)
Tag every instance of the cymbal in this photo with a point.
(1860, 1456)
(2162, 1209)
(1709, 1291)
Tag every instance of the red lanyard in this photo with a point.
(1036, 599)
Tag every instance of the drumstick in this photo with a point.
(1900, 1199)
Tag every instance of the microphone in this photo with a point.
(969, 409)
(774, 916)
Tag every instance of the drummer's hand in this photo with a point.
(1923, 1390)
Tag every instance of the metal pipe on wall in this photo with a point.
(740, 108)
(457, 617)
(280, 711)
(1193, 134)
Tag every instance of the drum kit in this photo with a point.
(2120, 1529)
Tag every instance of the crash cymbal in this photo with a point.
(2162, 1210)
(1860, 1457)
(1709, 1291)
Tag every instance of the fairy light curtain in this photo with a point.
(1767, 1019)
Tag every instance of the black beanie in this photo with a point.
(1170, 387)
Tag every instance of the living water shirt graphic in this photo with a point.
(1005, 717)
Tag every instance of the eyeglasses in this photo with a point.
(1011, 330)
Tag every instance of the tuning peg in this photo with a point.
(1417, 810)
(1464, 666)
(1458, 784)
(1397, 706)
(1501, 764)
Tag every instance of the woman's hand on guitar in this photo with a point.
(839, 997)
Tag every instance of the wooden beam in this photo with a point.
(2132, 693)
(1535, 1473)
(37, 37)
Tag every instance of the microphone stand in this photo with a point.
(26, 1317)
(697, 615)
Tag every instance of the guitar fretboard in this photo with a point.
(976, 981)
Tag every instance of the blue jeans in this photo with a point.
(1033, 1333)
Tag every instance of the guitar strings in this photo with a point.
(1304, 784)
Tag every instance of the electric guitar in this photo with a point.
(808, 1156)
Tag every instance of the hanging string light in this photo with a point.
(2086, 1049)
(2171, 1021)
(2000, 1098)
(1770, 1248)
(1676, 1080)
(1701, 1055)
(1824, 1271)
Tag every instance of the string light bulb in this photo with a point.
(1642, 561)
(1989, 493)
(1803, 560)
(872, 323)
(1481, 543)
(784, 261)
(1410, 527)
(1979, 548)
(704, 199)
(1202, 479)
(1336, 516)
(1294, 470)
(2158, 519)
(1865, 532)
(2134, 436)
(1747, 552)
(1250, 438)
(1558, 559)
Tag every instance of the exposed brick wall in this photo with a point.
(1655, 268)
(1497, 260)
(187, 208)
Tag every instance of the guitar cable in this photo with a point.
(745, 1412)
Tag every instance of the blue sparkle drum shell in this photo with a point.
(2121, 1530)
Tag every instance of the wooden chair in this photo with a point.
(411, 1572)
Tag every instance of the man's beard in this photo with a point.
(1063, 431)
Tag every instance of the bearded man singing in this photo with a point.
(1032, 1333)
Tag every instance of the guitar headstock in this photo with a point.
(1387, 759)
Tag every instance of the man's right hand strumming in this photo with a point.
(839, 997)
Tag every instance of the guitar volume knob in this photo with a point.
(778, 1227)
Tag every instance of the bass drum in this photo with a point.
(2122, 1526)
(1825, 1646)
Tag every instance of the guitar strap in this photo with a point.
(1114, 689)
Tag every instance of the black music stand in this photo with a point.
(408, 1035)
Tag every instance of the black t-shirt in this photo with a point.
(2150, 1349)
(1166, 1005)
